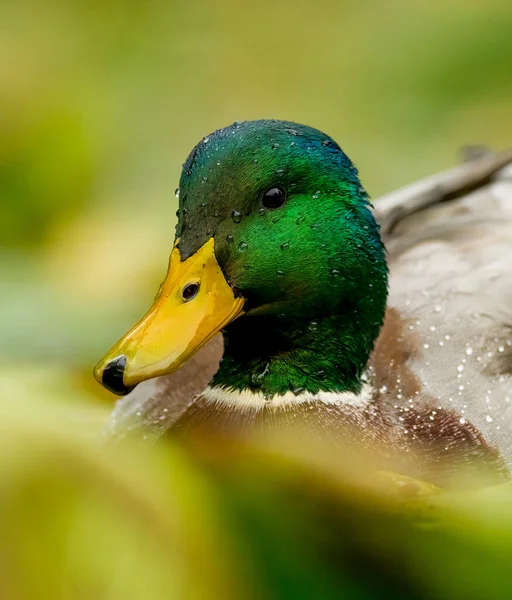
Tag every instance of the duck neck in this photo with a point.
(274, 356)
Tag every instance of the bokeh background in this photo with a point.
(100, 103)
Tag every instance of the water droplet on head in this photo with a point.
(326, 143)
(236, 216)
(469, 351)
(275, 146)
(177, 192)
(279, 273)
(316, 195)
(285, 246)
(229, 238)
(279, 171)
(262, 211)
(257, 378)
(242, 246)
(300, 220)
(335, 273)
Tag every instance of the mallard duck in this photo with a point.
(389, 326)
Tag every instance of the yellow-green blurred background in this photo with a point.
(100, 103)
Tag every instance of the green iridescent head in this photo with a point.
(318, 252)
(291, 230)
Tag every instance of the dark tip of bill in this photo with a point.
(112, 377)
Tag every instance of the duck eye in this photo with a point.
(274, 198)
(189, 292)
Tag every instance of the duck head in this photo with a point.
(275, 245)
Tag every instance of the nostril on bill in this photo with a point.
(112, 377)
(190, 291)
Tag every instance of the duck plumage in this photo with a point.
(439, 379)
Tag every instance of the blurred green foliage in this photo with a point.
(100, 102)
(216, 520)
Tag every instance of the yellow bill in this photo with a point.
(193, 304)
